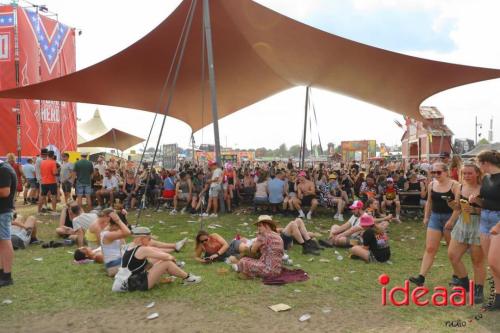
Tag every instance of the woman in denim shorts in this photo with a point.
(489, 200)
(465, 234)
(439, 217)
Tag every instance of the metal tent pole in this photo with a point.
(211, 77)
(303, 152)
(18, 104)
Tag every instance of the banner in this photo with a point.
(46, 51)
(169, 156)
(8, 111)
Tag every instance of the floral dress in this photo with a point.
(270, 261)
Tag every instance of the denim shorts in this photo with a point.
(489, 218)
(5, 224)
(82, 189)
(438, 220)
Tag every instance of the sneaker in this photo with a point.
(173, 212)
(309, 215)
(340, 218)
(336, 216)
(324, 243)
(180, 264)
(159, 210)
(478, 294)
(214, 215)
(180, 244)
(234, 267)
(454, 281)
(418, 280)
(192, 279)
(5, 283)
(301, 215)
(397, 220)
(308, 249)
(204, 215)
(183, 210)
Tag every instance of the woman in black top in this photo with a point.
(148, 263)
(438, 217)
(375, 246)
(489, 200)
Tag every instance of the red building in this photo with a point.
(426, 140)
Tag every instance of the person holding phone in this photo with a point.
(439, 217)
(212, 247)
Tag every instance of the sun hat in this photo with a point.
(211, 163)
(141, 231)
(266, 219)
(357, 204)
(302, 174)
(332, 176)
(366, 221)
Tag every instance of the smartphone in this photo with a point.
(446, 198)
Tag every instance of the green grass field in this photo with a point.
(56, 285)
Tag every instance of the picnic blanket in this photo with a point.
(287, 276)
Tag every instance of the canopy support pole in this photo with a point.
(303, 150)
(211, 78)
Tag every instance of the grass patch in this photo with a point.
(56, 284)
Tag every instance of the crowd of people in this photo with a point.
(460, 203)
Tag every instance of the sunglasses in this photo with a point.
(204, 240)
(438, 173)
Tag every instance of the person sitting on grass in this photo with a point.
(270, 246)
(112, 240)
(212, 247)
(347, 234)
(382, 221)
(375, 246)
(23, 232)
(296, 231)
(81, 222)
(183, 192)
(93, 233)
(391, 199)
(306, 196)
(148, 263)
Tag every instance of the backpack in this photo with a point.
(120, 284)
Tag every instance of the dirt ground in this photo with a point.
(182, 317)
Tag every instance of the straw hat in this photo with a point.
(267, 219)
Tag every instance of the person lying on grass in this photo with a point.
(23, 231)
(296, 231)
(212, 247)
(148, 263)
(375, 246)
(86, 253)
(347, 234)
(270, 246)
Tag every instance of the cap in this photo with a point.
(357, 204)
(366, 221)
(302, 174)
(84, 153)
(141, 231)
(44, 151)
(390, 180)
(211, 163)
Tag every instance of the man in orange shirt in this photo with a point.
(48, 172)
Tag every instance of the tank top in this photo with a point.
(291, 187)
(135, 265)
(490, 192)
(212, 246)
(439, 205)
(184, 186)
(111, 251)
(414, 186)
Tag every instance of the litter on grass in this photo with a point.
(336, 279)
(150, 305)
(326, 310)
(339, 257)
(310, 259)
(184, 232)
(280, 307)
(7, 301)
(297, 290)
(38, 259)
(324, 260)
(305, 317)
(153, 316)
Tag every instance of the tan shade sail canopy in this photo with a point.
(257, 53)
(113, 139)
